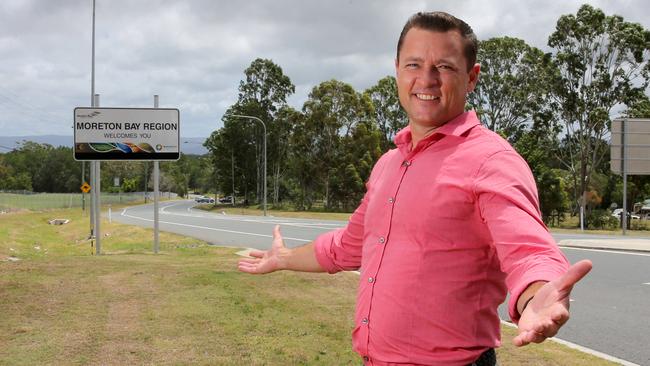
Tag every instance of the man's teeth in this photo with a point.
(426, 97)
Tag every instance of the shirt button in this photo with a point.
(371, 280)
(364, 321)
(391, 200)
(366, 358)
(406, 163)
(382, 240)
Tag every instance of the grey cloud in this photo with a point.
(193, 52)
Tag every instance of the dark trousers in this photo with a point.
(487, 358)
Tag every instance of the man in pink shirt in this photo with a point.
(449, 224)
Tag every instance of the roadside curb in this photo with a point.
(582, 349)
(593, 247)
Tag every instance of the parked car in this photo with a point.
(204, 199)
(617, 213)
(227, 199)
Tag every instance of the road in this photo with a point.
(610, 307)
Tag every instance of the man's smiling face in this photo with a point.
(432, 76)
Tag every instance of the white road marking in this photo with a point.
(309, 225)
(213, 229)
(162, 210)
(647, 283)
(607, 251)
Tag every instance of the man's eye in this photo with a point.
(411, 65)
(445, 67)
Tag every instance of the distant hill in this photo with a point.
(189, 145)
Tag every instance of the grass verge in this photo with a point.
(188, 305)
(341, 216)
(566, 228)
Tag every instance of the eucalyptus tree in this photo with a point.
(603, 65)
(238, 145)
(388, 113)
(513, 85)
(333, 112)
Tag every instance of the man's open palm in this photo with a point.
(264, 261)
(549, 309)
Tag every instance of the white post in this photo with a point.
(91, 197)
(110, 216)
(156, 189)
(582, 213)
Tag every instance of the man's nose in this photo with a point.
(430, 76)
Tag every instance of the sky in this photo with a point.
(193, 53)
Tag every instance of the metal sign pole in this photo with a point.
(156, 189)
(98, 200)
(92, 103)
(624, 171)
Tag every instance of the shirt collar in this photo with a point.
(455, 127)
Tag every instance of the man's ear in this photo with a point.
(396, 67)
(473, 77)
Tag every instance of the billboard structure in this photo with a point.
(126, 133)
(630, 152)
(630, 149)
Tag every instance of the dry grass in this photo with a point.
(187, 305)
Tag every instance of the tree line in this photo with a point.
(554, 107)
(44, 168)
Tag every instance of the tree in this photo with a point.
(603, 63)
(285, 121)
(535, 149)
(266, 85)
(388, 113)
(239, 145)
(513, 85)
(332, 113)
(639, 108)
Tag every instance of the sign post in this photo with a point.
(127, 134)
(630, 153)
(156, 194)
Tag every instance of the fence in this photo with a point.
(39, 201)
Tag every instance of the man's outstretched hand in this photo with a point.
(549, 309)
(265, 261)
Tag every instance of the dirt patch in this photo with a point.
(121, 343)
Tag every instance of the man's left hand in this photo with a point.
(549, 309)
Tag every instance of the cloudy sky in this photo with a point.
(193, 52)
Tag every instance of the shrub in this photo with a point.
(601, 220)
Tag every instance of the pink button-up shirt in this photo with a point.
(443, 231)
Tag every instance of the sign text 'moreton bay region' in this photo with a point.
(158, 126)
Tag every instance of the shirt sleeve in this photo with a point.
(507, 198)
(341, 250)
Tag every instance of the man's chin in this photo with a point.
(427, 120)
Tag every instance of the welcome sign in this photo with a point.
(126, 133)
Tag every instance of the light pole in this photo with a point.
(263, 126)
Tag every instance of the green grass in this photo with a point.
(60, 305)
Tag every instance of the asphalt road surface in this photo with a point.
(610, 307)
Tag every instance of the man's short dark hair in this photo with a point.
(439, 21)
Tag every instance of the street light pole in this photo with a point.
(265, 167)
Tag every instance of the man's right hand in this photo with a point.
(266, 261)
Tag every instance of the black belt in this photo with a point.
(487, 358)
